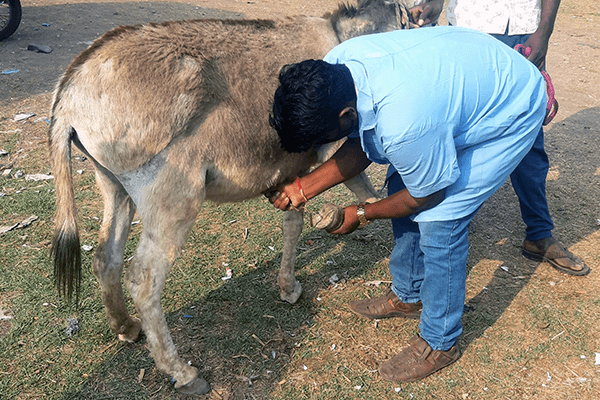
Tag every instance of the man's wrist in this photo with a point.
(361, 215)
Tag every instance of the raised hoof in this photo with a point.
(197, 387)
(293, 296)
(133, 332)
(330, 218)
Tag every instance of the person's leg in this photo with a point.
(406, 267)
(529, 183)
(406, 260)
(529, 178)
(445, 247)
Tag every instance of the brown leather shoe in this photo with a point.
(551, 251)
(386, 306)
(417, 361)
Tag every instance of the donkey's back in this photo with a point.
(193, 92)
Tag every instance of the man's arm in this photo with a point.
(398, 205)
(349, 161)
(538, 41)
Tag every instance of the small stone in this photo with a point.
(21, 117)
(72, 328)
(39, 48)
(543, 325)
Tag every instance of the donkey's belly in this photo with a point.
(228, 187)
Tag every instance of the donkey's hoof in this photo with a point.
(330, 218)
(293, 296)
(198, 387)
(132, 332)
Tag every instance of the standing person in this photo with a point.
(436, 106)
(529, 23)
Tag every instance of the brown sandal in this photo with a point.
(550, 250)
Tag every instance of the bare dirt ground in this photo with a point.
(497, 232)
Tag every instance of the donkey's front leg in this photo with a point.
(290, 288)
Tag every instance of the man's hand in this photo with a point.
(286, 196)
(351, 222)
(539, 48)
(427, 13)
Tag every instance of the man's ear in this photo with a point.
(347, 118)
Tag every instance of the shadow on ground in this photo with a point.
(497, 232)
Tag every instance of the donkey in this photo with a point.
(172, 114)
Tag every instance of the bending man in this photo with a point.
(453, 111)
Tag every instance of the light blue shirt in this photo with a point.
(450, 108)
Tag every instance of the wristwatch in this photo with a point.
(360, 213)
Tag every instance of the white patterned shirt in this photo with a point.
(493, 16)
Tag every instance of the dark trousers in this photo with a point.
(529, 178)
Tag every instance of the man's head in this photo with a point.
(313, 104)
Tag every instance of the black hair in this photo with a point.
(308, 101)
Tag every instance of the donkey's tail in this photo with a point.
(66, 249)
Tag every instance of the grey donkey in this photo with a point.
(172, 114)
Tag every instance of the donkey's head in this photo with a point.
(370, 16)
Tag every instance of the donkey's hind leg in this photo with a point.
(168, 210)
(108, 261)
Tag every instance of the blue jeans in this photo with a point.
(529, 178)
(429, 263)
